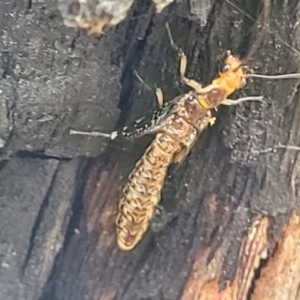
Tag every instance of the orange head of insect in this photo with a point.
(232, 75)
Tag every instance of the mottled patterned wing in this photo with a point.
(154, 123)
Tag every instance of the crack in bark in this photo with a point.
(37, 223)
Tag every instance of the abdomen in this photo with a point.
(143, 191)
(175, 138)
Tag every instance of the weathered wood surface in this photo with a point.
(58, 210)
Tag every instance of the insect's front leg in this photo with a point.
(189, 82)
(183, 63)
(230, 102)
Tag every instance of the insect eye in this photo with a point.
(225, 68)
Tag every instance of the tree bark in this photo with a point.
(227, 211)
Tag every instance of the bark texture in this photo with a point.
(230, 209)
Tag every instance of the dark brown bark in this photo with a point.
(58, 210)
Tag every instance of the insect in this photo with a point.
(176, 125)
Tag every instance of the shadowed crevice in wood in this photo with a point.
(37, 223)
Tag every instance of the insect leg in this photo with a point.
(183, 63)
(193, 84)
(158, 91)
(189, 82)
(159, 96)
(241, 100)
(183, 153)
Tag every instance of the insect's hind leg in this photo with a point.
(159, 96)
(183, 63)
(158, 91)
